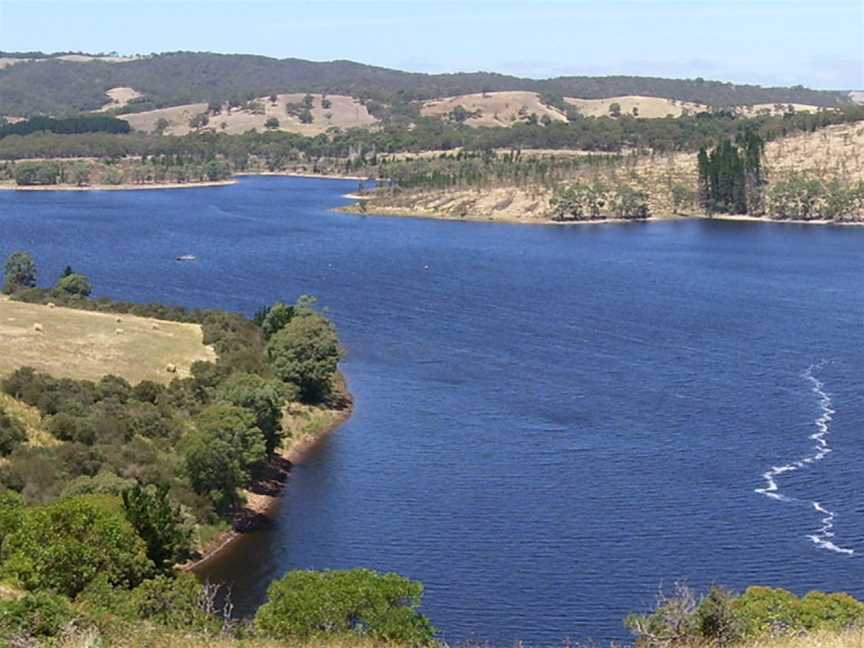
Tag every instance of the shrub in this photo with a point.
(181, 603)
(12, 433)
(63, 546)
(309, 605)
(36, 614)
(75, 284)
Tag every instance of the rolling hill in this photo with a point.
(57, 85)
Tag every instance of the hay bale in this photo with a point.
(171, 368)
(118, 331)
(50, 304)
(38, 328)
(155, 326)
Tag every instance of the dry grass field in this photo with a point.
(494, 108)
(645, 107)
(81, 344)
(343, 112)
(119, 97)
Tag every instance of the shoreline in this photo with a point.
(119, 187)
(265, 494)
(364, 209)
(398, 212)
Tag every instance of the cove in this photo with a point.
(549, 422)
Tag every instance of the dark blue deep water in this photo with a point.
(550, 422)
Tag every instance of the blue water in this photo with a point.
(550, 422)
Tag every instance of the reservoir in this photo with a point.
(550, 422)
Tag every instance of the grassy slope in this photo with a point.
(82, 344)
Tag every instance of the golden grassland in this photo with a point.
(87, 345)
(343, 112)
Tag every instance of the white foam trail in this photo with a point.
(822, 449)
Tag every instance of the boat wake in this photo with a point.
(823, 536)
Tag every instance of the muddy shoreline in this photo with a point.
(265, 494)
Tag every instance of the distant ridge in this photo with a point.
(51, 85)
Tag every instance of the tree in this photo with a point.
(306, 352)
(158, 523)
(275, 319)
(75, 284)
(262, 397)
(65, 545)
(221, 452)
(199, 121)
(20, 272)
(271, 124)
(161, 126)
(615, 110)
(309, 605)
(78, 174)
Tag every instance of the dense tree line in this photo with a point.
(66, 125)
(732, 175)
(188, 77)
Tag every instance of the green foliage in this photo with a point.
(11, 510)
(272, 123)
(308, 606)
(264, 398)
(32, 173)
(63, 546)
(221, 452)
(593, 200)
(731, 176)
(275, 319)
(306, 352)
(159, 523)
(721, 618)
(34, 615)
(75, 284)
(178, 602)
(19, 272)
(804, 195)
(769, 611)
(12, 433)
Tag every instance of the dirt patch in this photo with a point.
(119, 97)
(66, 342)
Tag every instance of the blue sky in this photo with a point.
(818, 43)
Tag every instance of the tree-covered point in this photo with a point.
(199, 440)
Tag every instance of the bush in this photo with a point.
(308, 605)
(75, 284)
(63, 546)
(37, 614)
(12, 433)
(180, 603)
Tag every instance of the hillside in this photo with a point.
(74, 83)
(668, 182)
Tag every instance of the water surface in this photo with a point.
(550, 421)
